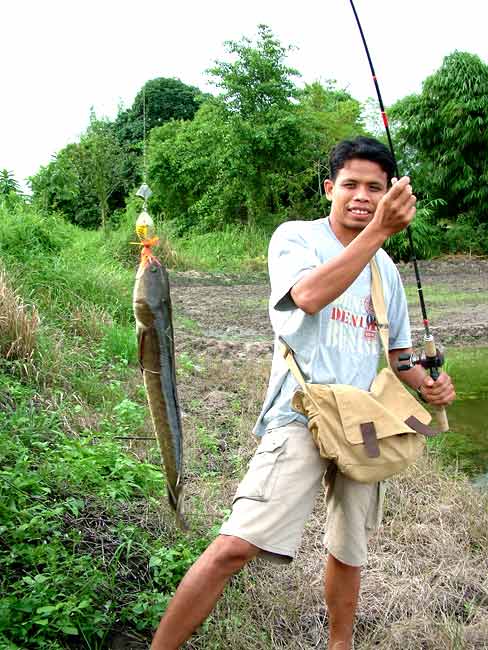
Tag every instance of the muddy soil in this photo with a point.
(228, 315)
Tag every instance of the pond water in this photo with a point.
(467, 440)
(466, 443)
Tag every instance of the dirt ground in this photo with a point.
(224, 314)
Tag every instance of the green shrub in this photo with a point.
(466, 235)
(76, 561)
(26, 234)
(426, 236)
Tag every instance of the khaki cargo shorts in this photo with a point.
(277, 495)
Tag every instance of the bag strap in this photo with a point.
(296, 372)
(292, 364)
(379, 306)
(378, 298)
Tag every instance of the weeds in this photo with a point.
(76, 566)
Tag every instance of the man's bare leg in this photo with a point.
(341, 596)
(200, 589)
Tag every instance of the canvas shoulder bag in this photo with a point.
(370, 435)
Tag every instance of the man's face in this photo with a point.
(355, 194)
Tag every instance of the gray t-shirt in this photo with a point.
(338, 345)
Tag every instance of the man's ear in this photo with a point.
(328, 187)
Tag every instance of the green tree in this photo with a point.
(442, 135)
(255, 153)
(8, 184)
(230, 163)
(82, 180)
(264, 135)
(10, 193)
(102, 163)
(327, 114)
(189, 170)
(160, 100)
(165, 100)
(56, 185)
(258, 80)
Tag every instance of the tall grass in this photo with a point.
(19, 324)
(231, 250)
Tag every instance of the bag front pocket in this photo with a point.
(263, 470)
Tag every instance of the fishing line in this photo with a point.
(144, 223)
(144, 170)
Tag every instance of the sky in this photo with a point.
(62, 57)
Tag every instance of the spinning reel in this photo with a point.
(430, 358)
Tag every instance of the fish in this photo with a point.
(155, 340)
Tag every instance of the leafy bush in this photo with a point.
(26, 234)
(466, 235)
(59, 579)
(426, 236)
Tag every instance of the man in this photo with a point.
(318, 270)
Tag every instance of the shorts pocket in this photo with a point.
(263, 471)
(375, 511)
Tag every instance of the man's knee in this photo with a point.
(232, 553)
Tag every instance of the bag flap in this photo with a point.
(390, 391)
(315, 399)
(357, 407)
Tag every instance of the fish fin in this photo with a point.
(177, 503)
(173, 501)
(181, 521)
(141, 337)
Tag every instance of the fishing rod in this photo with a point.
(430, 358)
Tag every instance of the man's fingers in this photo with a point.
(406, 201)
(397, 187)
(440, 392)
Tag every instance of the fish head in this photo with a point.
(151, 290)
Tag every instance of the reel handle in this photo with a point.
(441, 419)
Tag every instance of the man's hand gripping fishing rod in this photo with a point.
(430, 359)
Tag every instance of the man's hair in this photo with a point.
(365, 149)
